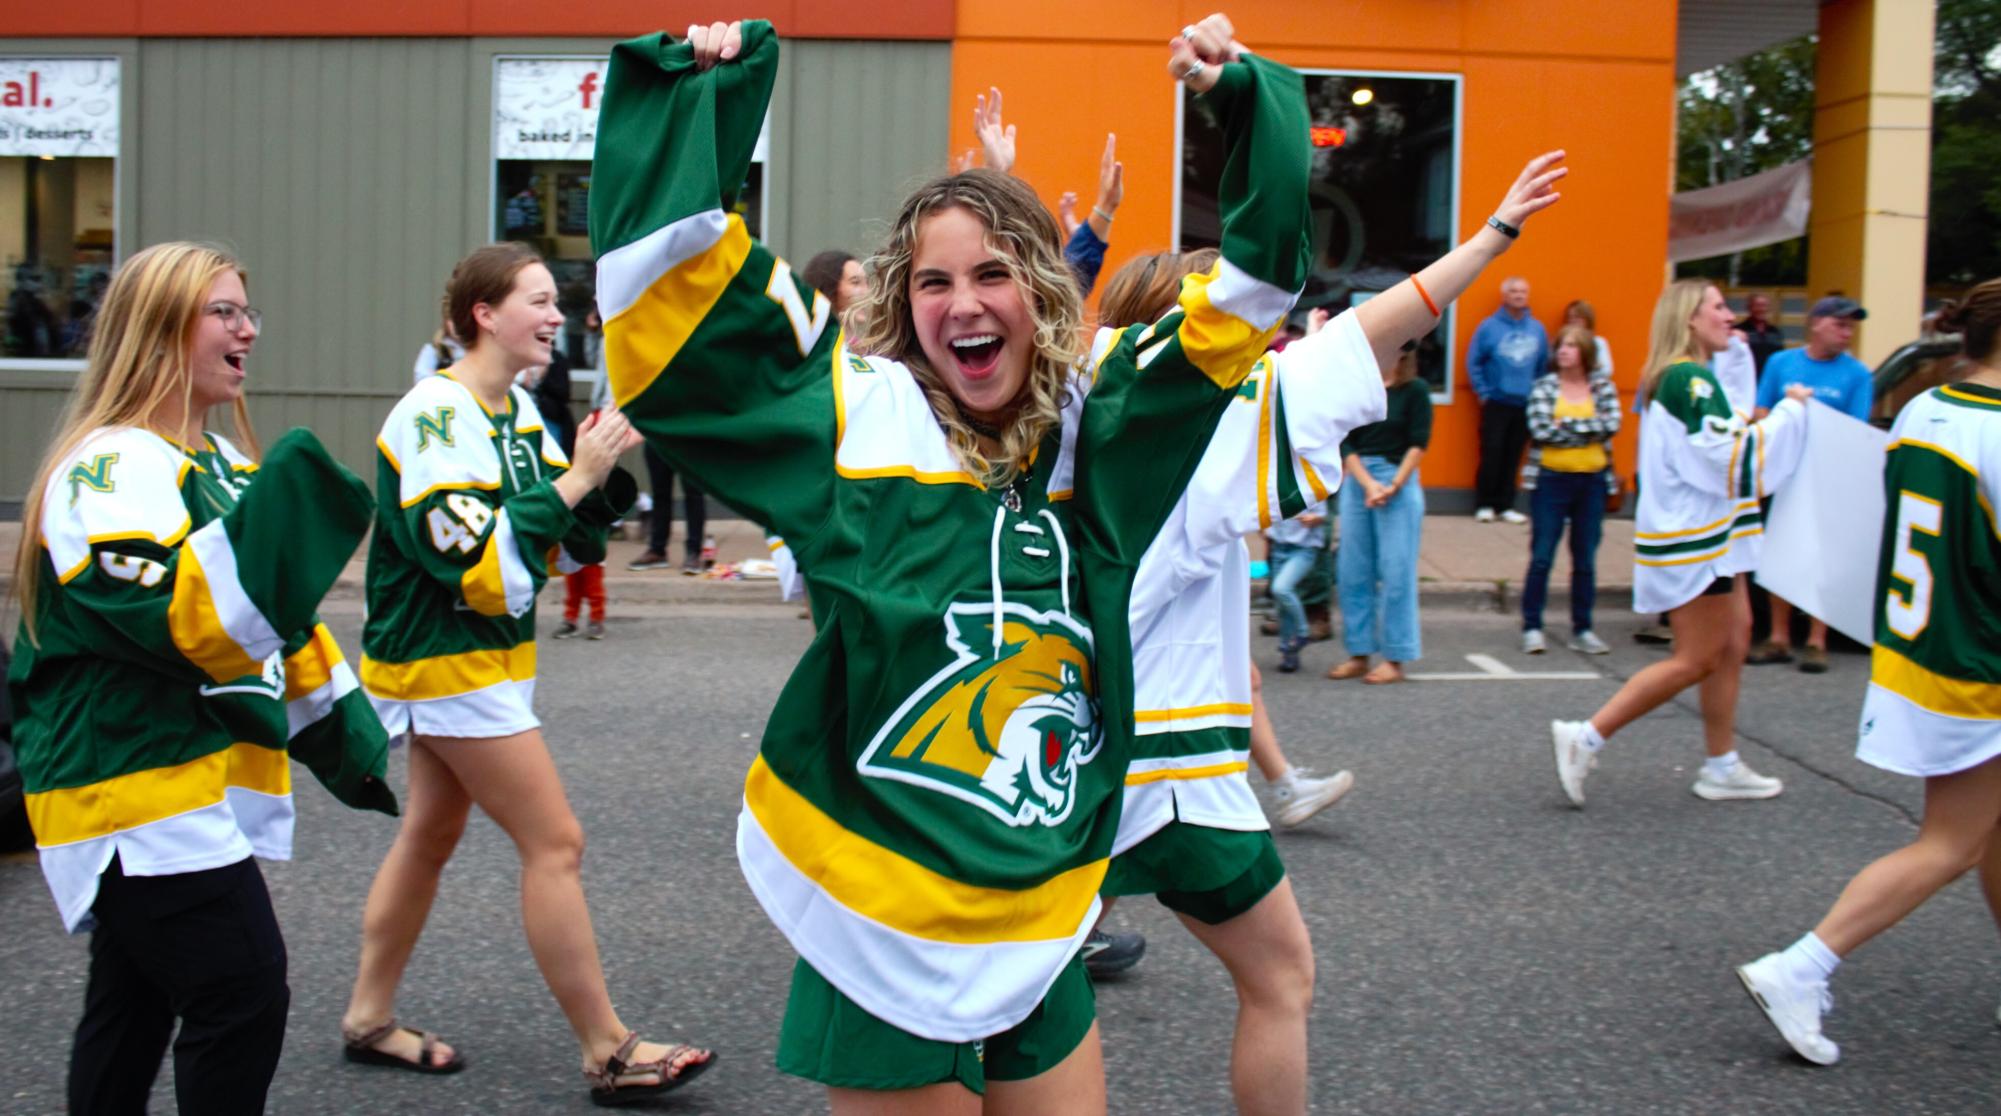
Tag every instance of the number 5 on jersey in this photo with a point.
(1908, 611)
(462, 526)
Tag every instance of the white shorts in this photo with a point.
(501, 709)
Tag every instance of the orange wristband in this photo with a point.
(1426, 296)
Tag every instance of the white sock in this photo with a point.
(1592, 740)
(1809, 960)
(1719, 766)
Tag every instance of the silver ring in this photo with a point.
(1194, 70)
(1188, 32)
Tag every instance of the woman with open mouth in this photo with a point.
(969, 510)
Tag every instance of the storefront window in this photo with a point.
(545, 132)
(1384, 190)
(58, 147)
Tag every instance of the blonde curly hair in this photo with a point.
(1024, 237)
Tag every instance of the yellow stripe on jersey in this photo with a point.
(195, 624)
(1934, 447)
(390, 454)
(1220, 344)
(312, 666)
(1953, 697)
(1652, 536)
(890, 888)
(1265, 479)
(1313, 480)
(1221, 708)
(484, 584)
(1687, 560)
(1163, 774)
(641, 340)
(447, 675)
(123, 802)
(910, 472)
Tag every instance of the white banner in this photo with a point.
(1748, 213)
(1821, 539)
(59, 106)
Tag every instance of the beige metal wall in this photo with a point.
(351, 173)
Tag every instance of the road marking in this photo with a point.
(1494, 670)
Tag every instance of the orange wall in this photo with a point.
(813, 19)
(1596, 79)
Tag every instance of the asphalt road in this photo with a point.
(1482, 947)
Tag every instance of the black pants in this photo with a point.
(1504, 434)
(694, 507)
(200, 947)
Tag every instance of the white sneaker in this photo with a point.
(1794, 1007)
(1301, 795)
(1573, 760)
(1484, 515)
(1741, 782)
(1533, 643)
(1513, 516)
(1588, 642)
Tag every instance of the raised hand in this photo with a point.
(996, 141)
(1534, 189)
(1066, 212)
(717, 42)
(1111, 177)
(1194, 55)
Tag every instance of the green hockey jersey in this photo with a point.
(931, 810)
(1934, 704)
(467, 526)
(176, 658)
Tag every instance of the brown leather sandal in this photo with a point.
(360, 1049)
(606, 1089)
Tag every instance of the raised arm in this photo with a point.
(1411, 308)
(719, 355)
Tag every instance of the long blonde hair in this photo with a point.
(1147, 287)
(139, 358)
(1022, 236)
(1673, 337)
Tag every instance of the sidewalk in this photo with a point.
(1460, 561)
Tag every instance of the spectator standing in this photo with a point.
(1294, 544)
(1382, 517)
(440, 352)
(1765, 338)
(1839, 380)
(1581, 313)
(1571, 417)
(837, 274)
(1510, 349)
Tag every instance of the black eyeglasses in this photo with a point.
(233, 316)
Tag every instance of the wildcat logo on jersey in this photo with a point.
(1008, 733)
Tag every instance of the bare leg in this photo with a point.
(513, 779)
(1703, 631)
(1270, 959)
(1782, 622)
(1990, 876)
(948, 1099)
(1816, 634)
(1718, 696)
(1074, 1087)
(1264, 739)
(1961, 811)
(399, 901)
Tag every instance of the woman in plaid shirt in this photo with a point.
(1571, 416)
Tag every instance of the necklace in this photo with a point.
(992, 433)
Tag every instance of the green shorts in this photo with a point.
(829, 1038)
(1210, 874)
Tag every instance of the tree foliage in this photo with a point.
(1743, 118)
(1964, 241)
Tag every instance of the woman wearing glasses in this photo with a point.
(168, 660)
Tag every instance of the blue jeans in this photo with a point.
(1377, 567)
(1578, 498)
(1289, 566)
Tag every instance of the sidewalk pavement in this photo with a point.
(1459, 562)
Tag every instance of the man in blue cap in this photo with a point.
(1841, 382)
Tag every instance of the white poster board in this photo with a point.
(59, 107)
(1822, 538)
(546, 107)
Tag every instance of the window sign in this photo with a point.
(545, 119)
(1384, 190)
(59, 135)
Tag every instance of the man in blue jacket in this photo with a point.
(1509, 351)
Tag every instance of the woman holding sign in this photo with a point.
(1703, 470)
(1934, 706)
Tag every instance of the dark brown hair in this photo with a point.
(823, 272)
(486, 276)
(1587, 346)
(1147, 286)
(1579, 308)
(1976, 318)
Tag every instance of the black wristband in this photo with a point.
(1505, 229)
